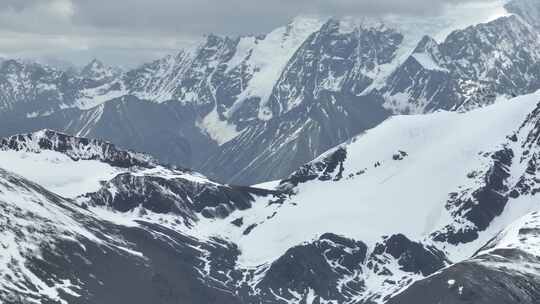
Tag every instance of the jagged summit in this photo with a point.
(98, 71)
(252, 104)
(77, 148)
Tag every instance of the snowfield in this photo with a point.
(396, 179)
(399, 196)
(57, 172)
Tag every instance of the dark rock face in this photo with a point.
(507, 274)
(322, 98)
(316, 266)
(475, 283)
(490, 200)
(166, 274)
(178, 196)
(480, 206)
(79, 258)
(329, 168)
(334, 268)
(286, 143)
(411, 256)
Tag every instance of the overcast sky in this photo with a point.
(127, 32)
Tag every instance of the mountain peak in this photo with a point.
(77, 148)
(97, 70)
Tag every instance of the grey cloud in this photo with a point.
(17, 4)
(233, 16)
(110, 27)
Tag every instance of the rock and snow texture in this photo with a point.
(105, 227)
(506, 270)
(53, 251)
(370, 219)
(462, 177)
(252, 103)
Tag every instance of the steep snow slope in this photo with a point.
(443, 184)
(441, 150)
(402, 202)
(267, 58)
(52, 251)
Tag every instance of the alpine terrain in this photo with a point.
(390, 160)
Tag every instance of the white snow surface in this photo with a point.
(70, 178)
(268, 57)
(427, 62)
(57, 172)
(512, 238)
(442, 149)
(219, 130)
(90, 98)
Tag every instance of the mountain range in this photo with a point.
(252, 109)
(443, 202)
(361, 161)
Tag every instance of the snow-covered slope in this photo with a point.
(237, 108)
(52, 251)
(411, 201)
(445, 145)
(98, 173)
(445, 183)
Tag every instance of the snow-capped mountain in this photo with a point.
(30, 89)
(53, 251)
(420, 191)
(113, 208)
(260, 106)
(470, 68)
(436, 202)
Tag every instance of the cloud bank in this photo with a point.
(148, 28)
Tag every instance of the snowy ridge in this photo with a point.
(257, 103)
(343, 250)
(76, 148)
(415, 149)
(83, 165)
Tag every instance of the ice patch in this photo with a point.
(427, 62)
(219, 130)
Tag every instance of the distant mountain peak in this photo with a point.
(97, 70)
